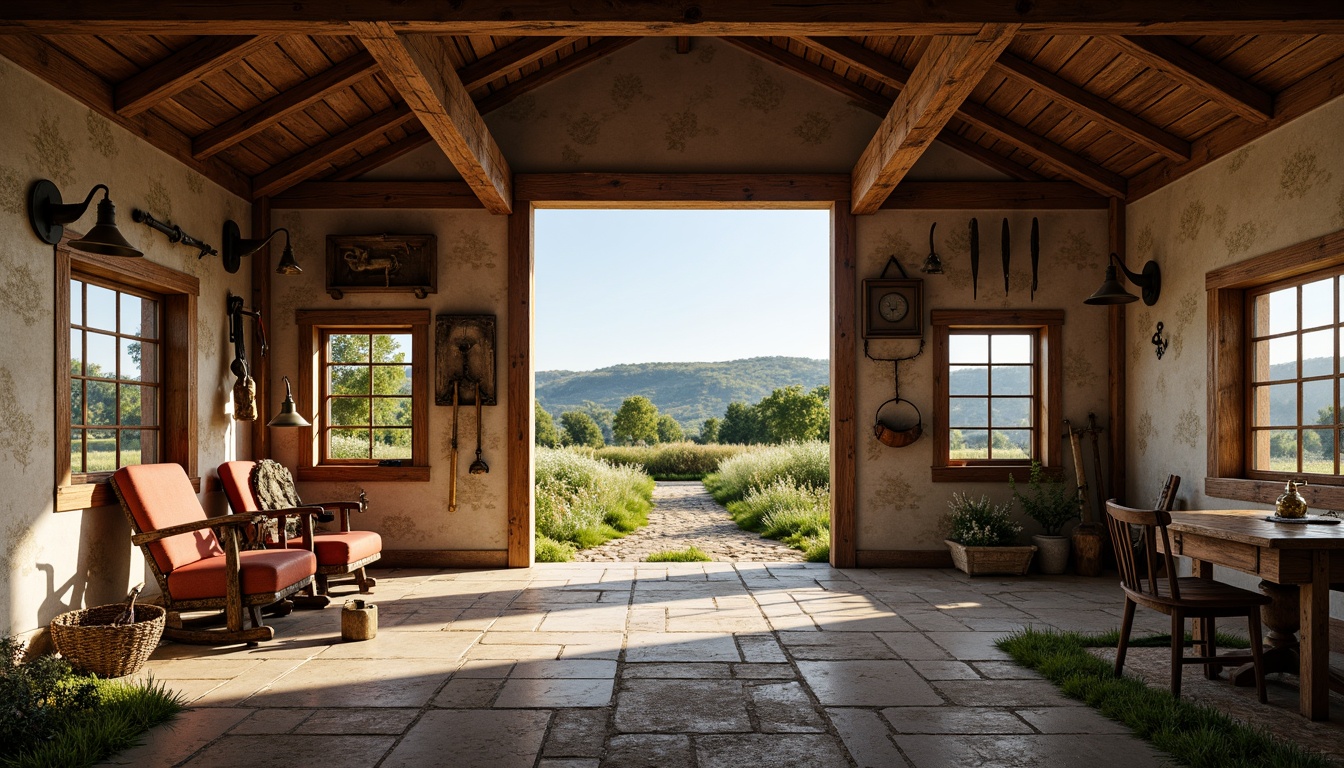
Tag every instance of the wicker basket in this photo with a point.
(89, 640)
(985, 561)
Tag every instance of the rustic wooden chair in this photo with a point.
(1183, 597)
(195, 571)
(342, 552)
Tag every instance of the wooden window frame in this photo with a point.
(1048, 328)
(312, 324)
(179, 293)
(1229, 352)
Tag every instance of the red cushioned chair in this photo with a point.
(195, 570)
(338, 553)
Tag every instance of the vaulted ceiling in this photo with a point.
(263, 104)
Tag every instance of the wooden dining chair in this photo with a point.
(1202, 600)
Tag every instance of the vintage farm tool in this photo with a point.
(1035, 255)
(245, 388)
(1007, 255)
(1088, 535)
(478, 467)
(975, 258)
(452, 457)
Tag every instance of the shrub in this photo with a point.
(583, 501)
(796, 515)
(691, 554)
(807, 465)
(671, 461)
(1047, 501)
(551, 551)
(980, 523)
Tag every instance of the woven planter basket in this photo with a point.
(89, 640)
(986, 561)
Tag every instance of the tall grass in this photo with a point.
(582, 501)
(671, 461)
(781, 492)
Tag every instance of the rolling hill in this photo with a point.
(689, 392)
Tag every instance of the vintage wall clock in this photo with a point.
(893, 308)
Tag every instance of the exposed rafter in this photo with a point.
(894, 75)
(1200, 75)
(409, 143)
(309, 162)
(944, 77)
(420, 69)
(570, 63)
(183, 69)
(282, 105)
(510, 58)
(869, 100)
(377, 194)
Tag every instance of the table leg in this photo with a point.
(1314, 679)
(1281, 619)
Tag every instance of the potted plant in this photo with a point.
(982, 538)
(1050, 503)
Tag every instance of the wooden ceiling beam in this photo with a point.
(282, 105)
(377, 194)
(510, 58)
(1197, 73)
(683, 190)
(409, 143)
(421, 71)
(986, 156)
(994, 195)
(553, 72)
(894, 75)
(181, 70)
(873, 102)
(63, 73)
(944, 77)
(309, 162)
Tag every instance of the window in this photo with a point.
(997, 392)
(369, 380)
(127, 394)
(1274, 369)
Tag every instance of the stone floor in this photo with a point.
(694, 665)
(684, 514)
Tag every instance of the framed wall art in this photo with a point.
(382, 264)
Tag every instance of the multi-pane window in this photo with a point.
(1293, 376)
(115, 377)
(991, 378)
(367, 395)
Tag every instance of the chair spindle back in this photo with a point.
(1154, 523)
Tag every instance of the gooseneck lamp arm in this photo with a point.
(236, 247)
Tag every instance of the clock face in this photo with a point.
(893, 307)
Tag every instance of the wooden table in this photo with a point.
(1307, 557)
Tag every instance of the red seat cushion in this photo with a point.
(264, 571)
(161, 496)
(342, 548)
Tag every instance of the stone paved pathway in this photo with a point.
(684, 514)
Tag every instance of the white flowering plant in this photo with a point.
(980, 522)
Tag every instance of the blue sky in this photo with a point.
(626, 286)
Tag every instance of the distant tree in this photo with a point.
(603, 416)
(709, 430)
(547, 435)
(669, 431)
(741, 425)
(790, 414)
(636, 421)
(580, 429)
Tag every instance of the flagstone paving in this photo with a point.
(617, 665)
(684, 515)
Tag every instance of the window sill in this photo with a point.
(1268, 491)
(981, 473)
(365, 473)
(89, 495)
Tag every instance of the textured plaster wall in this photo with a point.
(1279, 190)
(52, 562)
(472, 247)
(899, 506)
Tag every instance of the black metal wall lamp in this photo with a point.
(1149, 282)
(236, 247)
(48, 215)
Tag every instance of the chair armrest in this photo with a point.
(306, 509)
(351, 505)
(225, 521)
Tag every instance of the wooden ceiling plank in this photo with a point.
(988, 156)
(420, 70)
(939, 84)
(1112, 117)
(411, 142)
(552, 72)
(288, 102)
(306, 164)
(184, 69)
(1199, 74)
(510, 57)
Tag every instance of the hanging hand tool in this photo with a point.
(975, 258)
(244, 389)
(1006, 256)
(452, 458)
(1080, 470)
(478, 467)
(1095, 431)
(1035, 255)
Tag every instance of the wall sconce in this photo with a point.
(235, 248)
(289, 415)
(48, 216)
(933, 264)
(1111, 292)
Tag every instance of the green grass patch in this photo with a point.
(807, 465)
(671, 461)
(691, 554)
(582, 502)
(1193, 734)
(1111, 639)
(781, 492)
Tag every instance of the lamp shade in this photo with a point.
(1111, 292)
(288, 264)
(289, 415)
(105, 238)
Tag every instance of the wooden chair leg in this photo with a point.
(1253, 622)
(255, 610)
(1126, 626)
(366, 584)
(321, 581)
(1177, 652)
(1210, 633)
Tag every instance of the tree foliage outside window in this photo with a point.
(669, 431)
(580, 429)
(367, 385)
(636, 422)
(547, 435)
